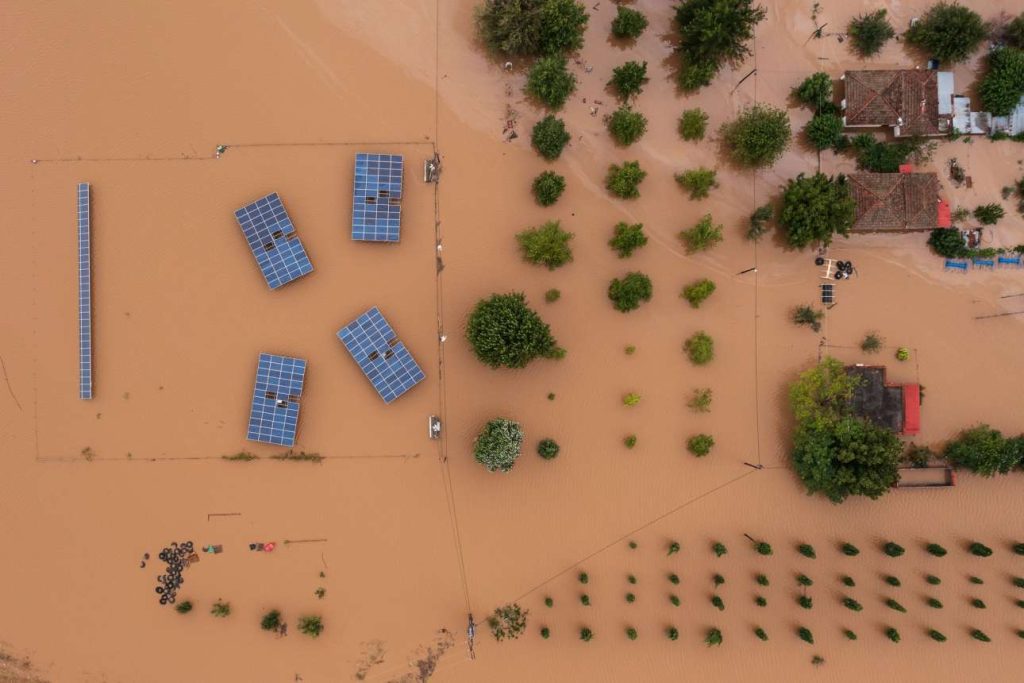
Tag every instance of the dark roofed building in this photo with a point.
(912, 102)
(895, 202)
(895, 407)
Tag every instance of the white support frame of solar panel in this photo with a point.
(384, 360)
(273, 241)
(84, 294)
(274, 414)
(377, 197)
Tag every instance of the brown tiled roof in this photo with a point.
(879, 98)
(895, 201)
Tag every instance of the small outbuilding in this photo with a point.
(893, 406)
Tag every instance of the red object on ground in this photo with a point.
(906, 168)
(911, 409)
(945, 219)
(269, 547)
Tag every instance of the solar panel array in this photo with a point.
(274, 416)
(377, 198)
(84, 295)
(383, 359)
(273, 241)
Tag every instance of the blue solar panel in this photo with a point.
(383, 359)
(377, 198)
(274, 416)
(84, 295)
(273, 241)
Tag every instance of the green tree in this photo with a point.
(815, 208)
(850, 635)
(550, 82)
(936, 550)
(698, 181)
(551, 296)
(886, 157)
(948, 242)
(808, 315)
(700, 348)
(700, 444)
(892, 604)
(948, 31)
(586, 634)
(1013, 34)
(805, 635)
(183, 607)
(892, 634)
(713, 637)
(982, 450)
(508, 622)
(805, 601)
(849, 549)
(717, 602)
(872, 343)
(505, 332)
(627, 126)
(629, 79)
(548, 187)
(498, 445)
(761, 579)
(701, 400)
(824, 131)
(627, 238)
(758, 136)
(807, 550)
(893, 549)
(548, 449)
(672, 633)
(761, 635)
(892, 581)
(848, 581)
(763, 548)
(547, 245)
(936, 635)
(525, 28)
(852, 604)
(823, 391)
(631, 633)
(628, 23)
(221, 609)
(979, 549)
(696, 292)
(545, 632)
(869, 32)
(719, 549)
(713, 32)
(815, 91)
(312, 626)
(980, 635)
(549, 137)
(583, 578)
(271, 621)
(804, 580)
(703, 236)
(759, 222)
(1003, 84)
(628, 293)
(693, 123)
(624, 181)
(989, 214)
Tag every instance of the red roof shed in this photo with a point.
(945, 218)
(911, 409)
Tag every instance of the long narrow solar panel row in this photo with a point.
(273, 241)
(84, 295)
(383, 359)
(274, 415)
(376, 198)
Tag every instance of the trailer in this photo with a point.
(935, 476)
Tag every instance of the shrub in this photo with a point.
(549, 137)
(903, 354)
(758, 136)
(892, 604)
(271, 621)
(804, 580)
(824, 131)
(850, 635)
(933, 603)
(629, 79)
(545, 632)
(761, 635)
(674, 599)
(628, 23)
(871, 343)
(627, 126)
(631, 633)
(508, 621)
(815, 208)
(631, 579)
(979, 549)
(673, 579)
(980, 635)
(719, 549)
(716, 601)
(713, 637)
(892, 581)
(628, 293)
(312, 626)
(806, 315)
(989, 214)
(703, 236)
(852, 604)
(585, 600)
(763, 548)
(674, 547)
(627, 238)
(624, 181)
(630, 350)
(505, 332)
(700, 348)
(815, 91)
(549, 602)
(552, 295)
(978, 603)
(805, 635)
(1003, 84)
(759, 222)
(698, 181)
(760, 601)
(548, 449)
(893, 549)
(936, 635)
(698, 291)
(547, 245)
(548, 187)
(550, 82)
(672, 633)
(586, 634)
(693, 123)
(982, 450)
(947, 31)
(712, 33)
(701, 400)
(848, 581)
(629, 441)
(892, 634)
(183, 607)
(805, 601)
(849, 549)
(700, 445)
(806, 550)
(919, 456)
(498, 445)
(886, 157)
(975, 580)
(869, 32)
(1013, 34)
(221, 609)
(761, 579)
(932, 579)
(631, 399)
(531, 27)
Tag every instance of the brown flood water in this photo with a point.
(411, 533)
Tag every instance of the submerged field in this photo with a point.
(411, 534)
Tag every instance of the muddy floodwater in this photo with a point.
(394, 538)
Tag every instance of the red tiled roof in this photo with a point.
(895, 201)
(911, 409)
(882, 98)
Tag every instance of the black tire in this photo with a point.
(163, 599)
(839, 275)
(160, 589)
(819, 261)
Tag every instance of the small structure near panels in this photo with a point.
(274, 415)
(1012, 123)
(384, 360)
(895, 202)
(377, 198)
(84, 294)
(895, 407)
(273, 240)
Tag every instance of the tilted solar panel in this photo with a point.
(84, 294)
(384, 360)
(274, 415)
(273, 241)
(377, 198)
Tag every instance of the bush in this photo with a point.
(623, 181)
(548, 187)
(713, 637)
(870, 32)
(936, 550)
(312, 626)
(693, 124)
(886, 157)
(872, 343)
(978, 603)
(631, 633)
(759, 222)
(976, 580)
(761, 635)
(848, 581)
(934, 603)
(824, 131)
(806, 315)
(815, 91)
(629, 79)
(892, 634)
(699, 181)
(548, 602)
(852, 604)
(805, 601)
(673, 579)
(628, 23)
(980, 635)
(712, 33)
(1003, 84)
(585, 600)
(989, 214)
(548, 449)
(807, 550)
(702, 236)
(498, 445)
(698, 291)
(936, 635)
(850, 635)
(815, 208)
(948, 31)
(627, 126)
(894, 605)
(183, 607)
(933, 580)
(717, 602)
(760, 601)
(586, 634)
(979, 549)
(893, 549)
(849, 549)
(629, 441)
(700, 445)
(221, 609)
(805, 635)
(719, 549)
(628, 293)
(1013, 34)
(547, 245)
(758, 136)
(982, 450)
(271, 621)
(701, 401)
(550, 82)
(552, 295)
(763, 548)
(631, 399)
(700, 348)
(545, 632)
(902, 354)
(761, 579)
(804, 580)
(531, 27)
(549, 137)
(505, 332)
(627, 239)
(508, 621)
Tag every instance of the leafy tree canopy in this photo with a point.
(948, 31)
(527, 28)
(627, 238)
(1013, 34)
(693, 123)
(498, 445)
(1003, 85)
(508, 621)
(824, 131)
(628, 23)
(547, 245)
(629, 79)
(703, 236)
(624, 181)
(984, 451)
(628, 293)
(627, 126)
(550, 137)
(713, 32)
(825, 390)
(699, 181)
(548, 187)
(815, 90)
(758, 136)
(870, 32)
(550, 82)
(815, 208)
(505, 332)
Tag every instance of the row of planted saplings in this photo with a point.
(311, 625)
